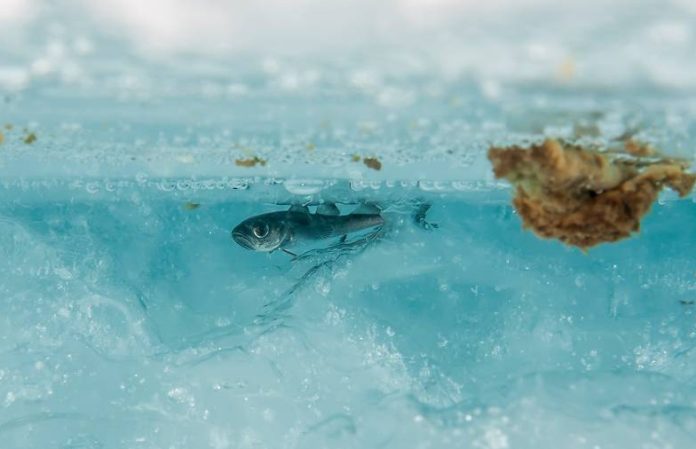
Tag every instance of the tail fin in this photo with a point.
(419, 217)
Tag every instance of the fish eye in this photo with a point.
(260, 230)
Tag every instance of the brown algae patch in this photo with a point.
(639, 149)
(2, 137)
(585, 197)
(250, 162)
(190, 205)
(373, 163)
(29, 138)
(370, 162)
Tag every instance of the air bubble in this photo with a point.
(141, 178)
(357, 185)
(304, 186)
(461, 186)
(273, 181)
(166, 186)
(92, 187)
(238, 184)
(429, 186)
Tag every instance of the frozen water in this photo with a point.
(138, 323)
(150, 308)
(130, 319)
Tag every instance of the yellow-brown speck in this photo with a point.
(251, 162)
(2, 138)
(30, 138)
(191, 206)
(355, 158)
(636, 148)
(373, 163)
(566, 70)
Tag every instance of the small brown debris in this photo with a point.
(250, 162)
(2, 138)
(566, 70)
(30, 138)
(638, 149)
(8, 126)
(373, 163)
(191, 205)
(582, 197)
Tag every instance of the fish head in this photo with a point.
(261, 233)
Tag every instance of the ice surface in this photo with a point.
(130, 319)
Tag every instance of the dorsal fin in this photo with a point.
(366, 209)
(328, 209)
(299, 208)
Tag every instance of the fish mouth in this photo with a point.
(242, 240)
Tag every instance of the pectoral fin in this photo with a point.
(289, 253)
(328, 209)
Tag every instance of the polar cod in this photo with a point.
(283, 229)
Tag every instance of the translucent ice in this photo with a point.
(141, 324)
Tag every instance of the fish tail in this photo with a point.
(419, 217)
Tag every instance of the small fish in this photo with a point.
(279, 230)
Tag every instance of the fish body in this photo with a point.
(283, 229)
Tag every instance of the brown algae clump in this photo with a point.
(370, 162)
(585, 197)
(250, 162)
(190, 205)
(373, 163)
(29, 138)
